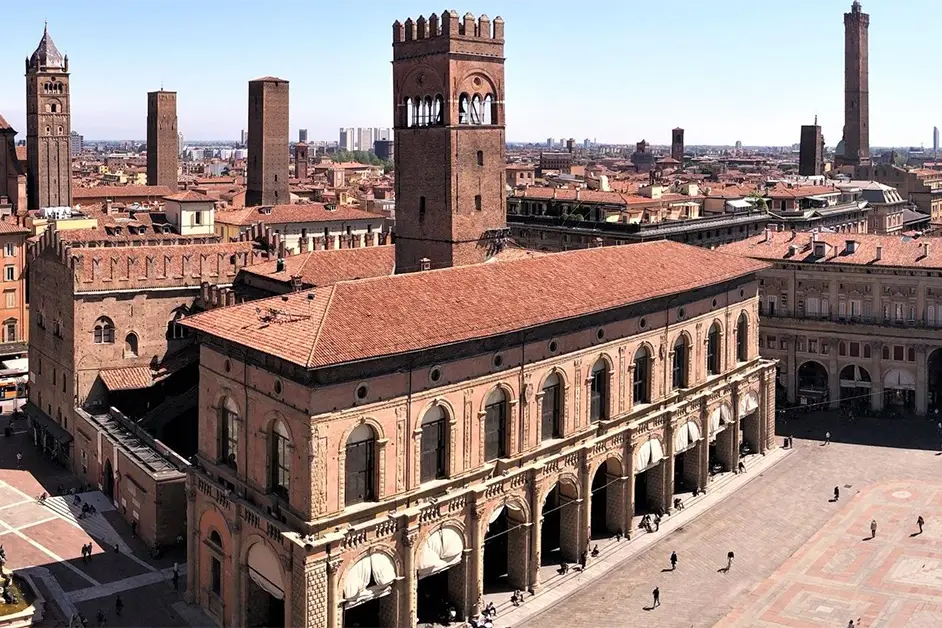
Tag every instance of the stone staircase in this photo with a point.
(96, 526)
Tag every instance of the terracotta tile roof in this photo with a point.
(324, 268)
(137, 377)
(120, 191)
(4, 124)
(290, 214)
(897, 251)
(9, 228)
(268, 79)
(189, 195)
(785, 192)
(370, 318)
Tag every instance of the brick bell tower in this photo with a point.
(448, 91)
(48, 127)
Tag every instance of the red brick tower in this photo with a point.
(448, 91)
(267, 176)
(856, 88)
(163, 143)
(300, 160)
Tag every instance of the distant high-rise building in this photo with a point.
(383, 149)
(381, 134)
(855, 147)
(811, 150)
(267, 175)
(302, 135)
(549, 142)
(76, 140)
(586, 143)
(935, 139)
(163, 141)
(48, 122)
(364, 139)
(347, 139)
(243, 137)
(738, 145)
(677, 144)
(181, 145)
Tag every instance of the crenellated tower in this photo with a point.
(448, 91)
(48, 127)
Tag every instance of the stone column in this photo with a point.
(630, 483)
(585, 514)
(766, 426)
(734, 438)
(536, 535)
(476, 575)
(922, 401)
(668, 483)
(408, 584)
(876, 376)
(834, 383)
(792, 375)
(333, 593)
(192, 545)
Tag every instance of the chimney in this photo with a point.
(879, 253)
(296, 283)
(425, 264)
(280, 265)
(766, 235)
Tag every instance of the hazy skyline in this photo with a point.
(618, 71)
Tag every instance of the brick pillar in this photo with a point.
(768, 403)
(569, 524)
(458, 586)
(309, 586)
(922, 401)
(585, 511)
(536, 534)
(629, 456)
(518, 545)
(333, 589)
(192, 544)
(734, 438)
(668, 488)
(476, 575)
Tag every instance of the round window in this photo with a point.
(681, 313)
(553, 346)
(714, 302)
(277, 386)
(600, 333)
(361, 392)
(643, 323)
(435, 374)
(498, 360)
(742, 292)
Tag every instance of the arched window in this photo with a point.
(104, 331)
(551, 424)
(229, 432)
(464, 109)
(280, 471)
(423, 111)
(407, 119)
(9, 330)
(416, 110)
(598, 408)
(477, 113)
(429, 111)
(215, 568)
(841, 348)
(742, 338)
(439, 111)
(679, 366)
(488, 116)
(360, 472)
(176, 331)
(641, 386)
(886, 352)
(433, 465)
(130, 346)
(713, 350)
(495, 425)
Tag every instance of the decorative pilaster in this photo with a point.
(408, 603)
(536, 538)
(476, 579)
(622, 374)
(468, 416)
(333, 590)
(585, 512)
(577, 379)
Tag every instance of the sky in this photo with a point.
(613, 70)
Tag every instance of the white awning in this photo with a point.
(748, 404)
(686, 436)
(497, 512)
(442, 549)
(858, 381)
(649, 454)
(898, 379)
(265, 570)
(370, 577)
(720, 417)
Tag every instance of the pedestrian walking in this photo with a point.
(657, 597)
(873, 528)
(19, 460)
(920, 522)
(827, 438)
(742, 467)
(837, 493)
(118, 606)
(850, 624)
(175, 580)
(583, 560)
(729, 560)
(673, 561)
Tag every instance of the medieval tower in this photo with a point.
(269, 154)
(163, 143)
(48, 127)
(856, 150)
(677, 144)
(300, 160)
(448, 91)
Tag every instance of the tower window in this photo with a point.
(480, 157)
(421, 208)
(477, 202)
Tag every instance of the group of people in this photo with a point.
(488, 615)
(652, 525)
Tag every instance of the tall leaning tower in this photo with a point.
(48, 127)
(448, 90)
(856, 88)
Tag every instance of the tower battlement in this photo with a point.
(449, 25)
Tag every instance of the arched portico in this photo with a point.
(368, 591)
(606, 503)
(264, 587)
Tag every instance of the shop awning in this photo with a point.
(686, 436)
(442, 549)
(748, 404)
(898, 379)
(368, 578)
(720, 417)
(40, 418)
(265, 571)
(649, 454)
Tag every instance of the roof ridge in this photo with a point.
(320, 325)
